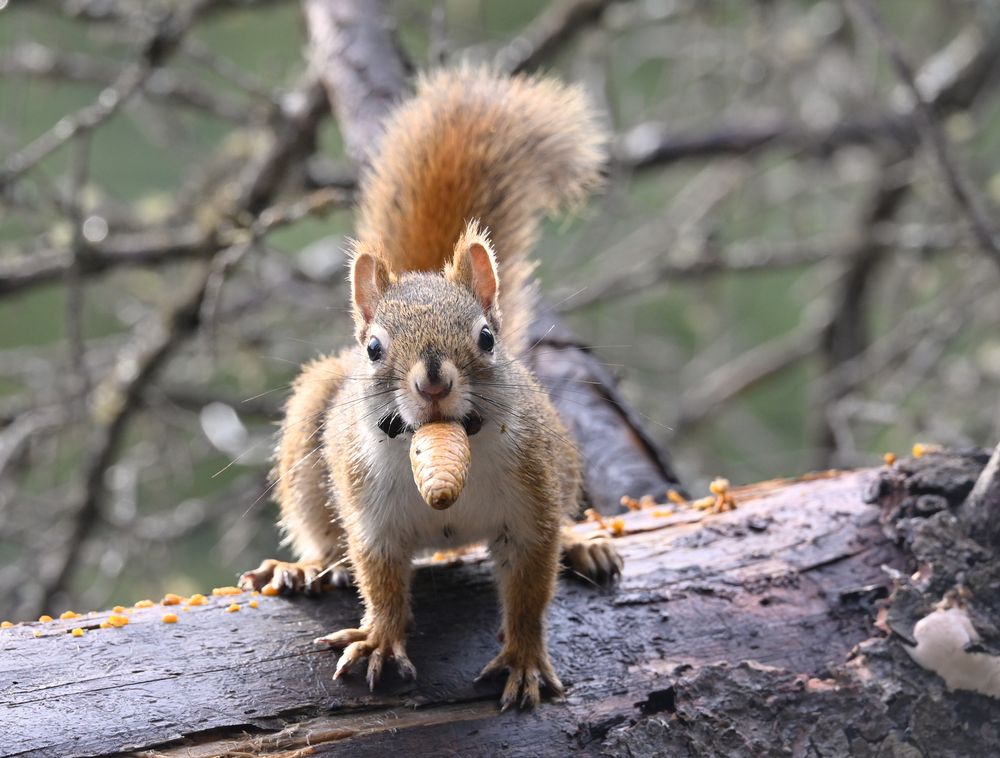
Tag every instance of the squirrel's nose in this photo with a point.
(433, 390)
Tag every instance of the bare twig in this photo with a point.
(951, 79)
(139, 363)
(558, 23)
(707, 395)
(79, 386)
(654, 145)
(116, 399)
(122, 250)
(38, 61)
(955, 76)
(160, 44)
(960, 187)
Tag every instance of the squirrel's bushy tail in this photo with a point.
(477, 145)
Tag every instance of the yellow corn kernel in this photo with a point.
(663, 513)
(78, 632)
(37, 633)
(169, 618)
(171, 599)
(719, 486)
(145, 604)
(596, 517)
(233, 607)
(6, 624)
(921, 449)
(676, 497)
(704, 503)
(45, 618)
(269, 590)
(105, 625)
(630, 502)
(118, 621)
(889, 458)
(197, 599)
(227, 591)
(252, 603)
(65, 615)
(617, 526)
(118, 609)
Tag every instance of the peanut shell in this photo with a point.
(440, 458)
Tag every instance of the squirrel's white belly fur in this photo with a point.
(492, 506)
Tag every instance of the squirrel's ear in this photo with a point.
(369, 280)
(475, 267)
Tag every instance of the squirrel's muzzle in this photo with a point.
(434, 382)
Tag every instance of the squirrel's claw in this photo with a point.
(492, 668)
(356, 646)
(524, 680)
(290, 578)
(594, 560)
(343, 638)
(351, 655)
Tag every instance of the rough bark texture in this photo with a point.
(355, 53)
(979, 513)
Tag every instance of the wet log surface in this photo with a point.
(787, 581)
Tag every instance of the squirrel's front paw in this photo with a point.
(285, 577)
(527, 672)
(595, 560)
(369, 643)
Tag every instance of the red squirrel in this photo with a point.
(442, 294)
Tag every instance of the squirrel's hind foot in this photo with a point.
(594, 560)
(365, 643)
(308, 578)
(526, 674)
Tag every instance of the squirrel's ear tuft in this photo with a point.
(369, 279)
(475, 267)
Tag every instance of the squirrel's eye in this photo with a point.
(374, 349)
(486, 340)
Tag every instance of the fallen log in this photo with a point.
(783, 627)
(785, 580)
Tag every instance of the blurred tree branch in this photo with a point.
(926, 119)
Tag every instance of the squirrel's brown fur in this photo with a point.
(470, 164)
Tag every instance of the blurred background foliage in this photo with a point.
(798, 302)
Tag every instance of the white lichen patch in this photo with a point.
(942, 638)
